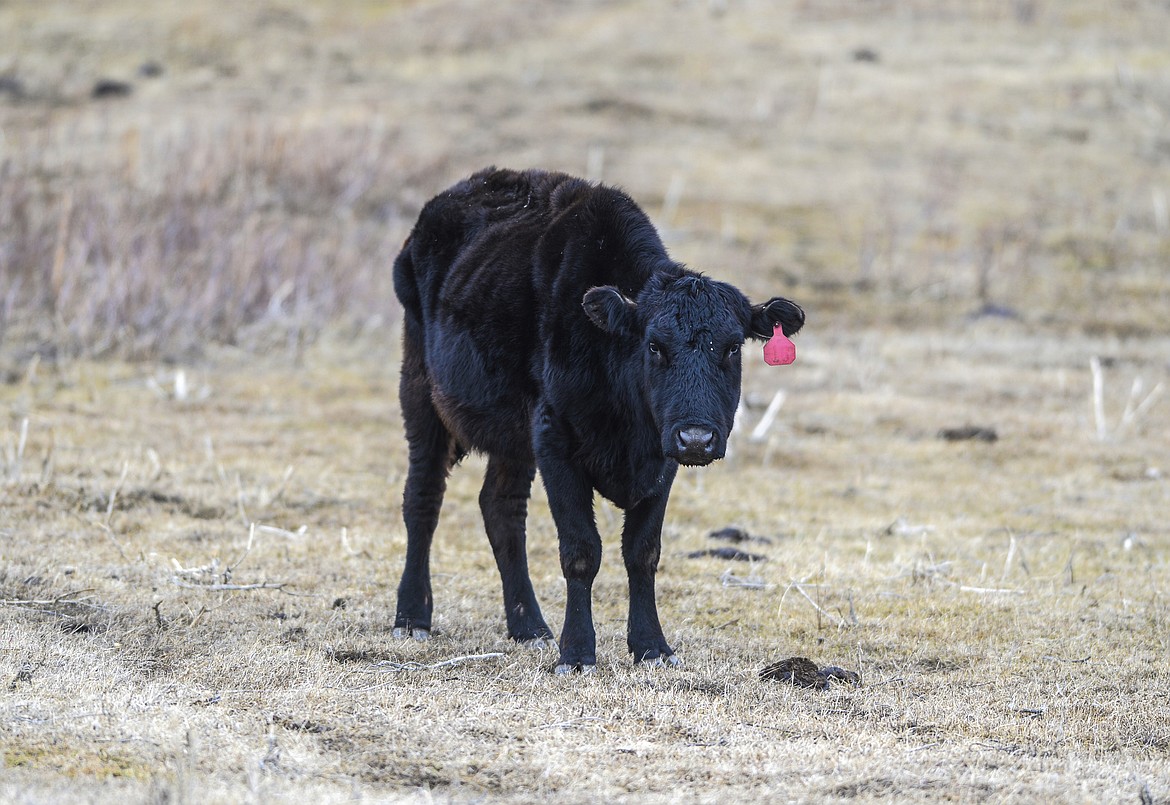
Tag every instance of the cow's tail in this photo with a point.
(413, 373)
(413, 331)
(406, 282)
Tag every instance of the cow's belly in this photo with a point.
(483, 402)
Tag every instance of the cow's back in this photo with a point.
(494, 271)
(465, 282)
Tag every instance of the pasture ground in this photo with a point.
(202, 458)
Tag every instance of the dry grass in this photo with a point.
(198, 550)
(1005, 602)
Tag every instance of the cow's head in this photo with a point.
(686, 330)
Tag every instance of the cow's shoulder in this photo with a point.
(597, 235)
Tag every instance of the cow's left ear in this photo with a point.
(776, 310)
(609, 309)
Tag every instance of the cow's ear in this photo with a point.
(609, 309)
(776, 310)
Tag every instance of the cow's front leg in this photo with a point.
(571, 502)
(641, 546)
(570, 499)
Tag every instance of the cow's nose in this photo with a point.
(695, 438)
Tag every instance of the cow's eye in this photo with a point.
(655, 349)
(733, 349)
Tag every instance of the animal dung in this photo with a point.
(969, 433)
(11, 86)
(737, 535)
(804, 673)
(734, 554)
(835, 673)
(111, 88)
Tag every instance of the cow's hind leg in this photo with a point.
(504, 503)
(433, 451)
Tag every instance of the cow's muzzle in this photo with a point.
(696, 445)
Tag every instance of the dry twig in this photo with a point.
(799, 587)
(389, 665)
(760, 431)
(220, 588)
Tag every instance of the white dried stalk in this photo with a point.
(1098, 396)
(760, 432)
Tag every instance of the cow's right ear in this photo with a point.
(609, 309)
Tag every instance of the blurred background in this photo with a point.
(176, 174)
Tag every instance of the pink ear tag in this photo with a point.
(779, 350)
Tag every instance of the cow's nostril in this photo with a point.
(695, 437)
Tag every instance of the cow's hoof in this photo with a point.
(540, 643)
(671, 660)
(567, 668)
(404, 633)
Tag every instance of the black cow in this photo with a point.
(545, 325)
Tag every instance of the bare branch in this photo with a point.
(388, 665)
(64, 598)
(220, 588)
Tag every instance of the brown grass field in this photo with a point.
(201, 454)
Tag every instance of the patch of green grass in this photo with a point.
(74, 761)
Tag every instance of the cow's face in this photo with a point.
(685, 333)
